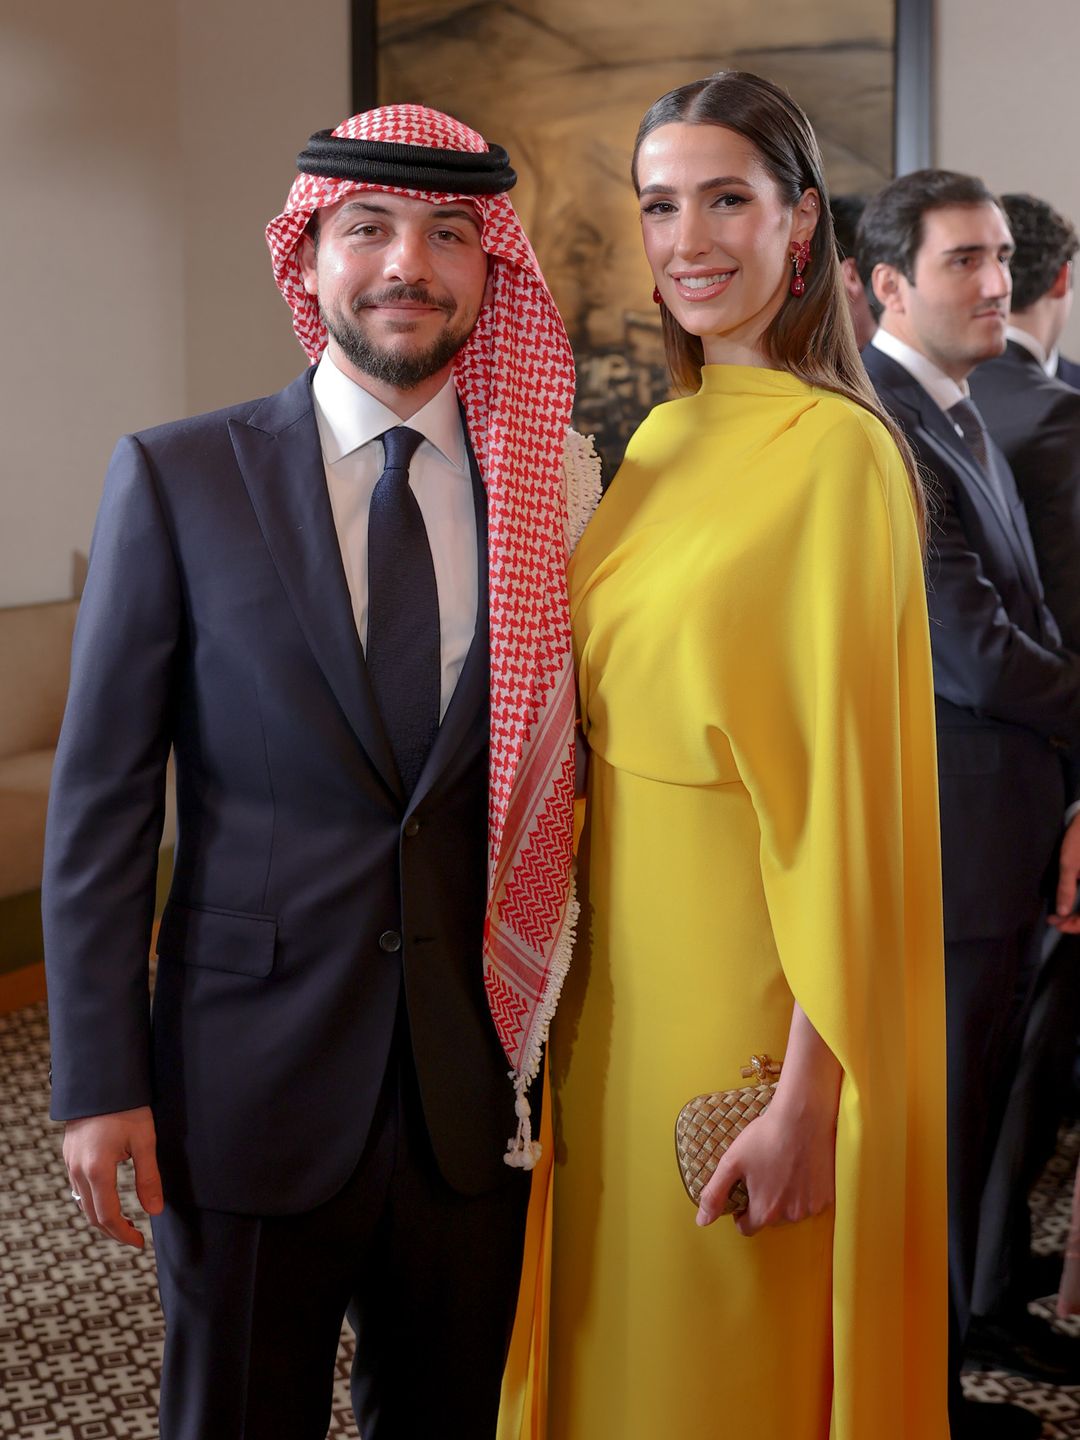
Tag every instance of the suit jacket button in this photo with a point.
(389, 941)
(412, 827)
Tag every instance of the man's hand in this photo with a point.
(93, 1148)
(1063, 918)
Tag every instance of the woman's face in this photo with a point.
(718, 235)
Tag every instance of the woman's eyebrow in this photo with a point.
(705, 185)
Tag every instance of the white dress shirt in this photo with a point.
(942, 389)
(1033, 347)
(350, 424)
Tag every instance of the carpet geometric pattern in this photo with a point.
(80, 1328)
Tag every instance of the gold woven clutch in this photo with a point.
(707, 1125)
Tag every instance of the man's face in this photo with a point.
(956, 308)
(400, 283)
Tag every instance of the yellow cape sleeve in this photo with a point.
(831, 723)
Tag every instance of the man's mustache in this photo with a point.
(394, 294)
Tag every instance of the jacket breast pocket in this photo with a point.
(229, 940)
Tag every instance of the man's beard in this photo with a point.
(401, 370)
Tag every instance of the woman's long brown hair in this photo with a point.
(812, 335)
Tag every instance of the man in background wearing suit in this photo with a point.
(846, 211)
(937, 247)
(371, 908)
(1035, 419)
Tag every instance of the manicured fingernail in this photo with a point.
(702, 1218)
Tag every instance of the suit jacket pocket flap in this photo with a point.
(218, 939)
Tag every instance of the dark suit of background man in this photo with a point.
(293, 594)
(937, 248)
(1035, 418)
(1032, 415)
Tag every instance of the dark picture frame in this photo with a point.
(913, 70)
(364, 46)
(913, 73)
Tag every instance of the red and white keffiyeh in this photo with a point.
(515, 377)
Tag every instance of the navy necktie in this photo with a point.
(969, 422)
(965, 416)
(403, 652)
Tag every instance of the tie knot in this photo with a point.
(966, 416)
(399, 446)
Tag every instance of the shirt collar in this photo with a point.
(1031, 345)
(349, 416)
(942, 389)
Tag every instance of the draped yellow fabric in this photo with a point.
(523, 1402)
(754, 670)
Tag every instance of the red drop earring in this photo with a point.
(656, 296)
(800, 258)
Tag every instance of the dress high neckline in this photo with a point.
(749, 380)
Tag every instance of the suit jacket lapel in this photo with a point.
(943, 437)
(1019, 529)
(1023, 362)
(939, 435)
(471, 691)
(280, 459)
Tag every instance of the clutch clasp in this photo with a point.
(764, 1070)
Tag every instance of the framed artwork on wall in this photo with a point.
(562, 84)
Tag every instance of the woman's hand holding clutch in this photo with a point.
(786, 1159)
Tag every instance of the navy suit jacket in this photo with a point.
(1007, 693)
(1036, 421)
(1069, 371)
(307, 890)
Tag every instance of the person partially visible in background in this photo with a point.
(937, 246)
(846, 211)
(1035, 418)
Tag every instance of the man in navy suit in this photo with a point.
(293, 596)
(1035, 419)
(937, 248)
(1033, 415)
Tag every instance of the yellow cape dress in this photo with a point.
(753, 658)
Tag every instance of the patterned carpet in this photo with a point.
(80, 1329)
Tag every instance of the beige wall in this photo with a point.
(1008, 100)
(146, 145)
(92, 266)
(256, 78)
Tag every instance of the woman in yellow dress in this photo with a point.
(760, 863)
